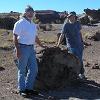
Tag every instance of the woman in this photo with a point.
(71, 30)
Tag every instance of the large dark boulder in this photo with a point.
(93, 14)
(84, 20)
(57, 67)
(63, 16)
(7, 22)
(47, 16)
(95, 36)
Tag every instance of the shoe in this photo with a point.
(32, 92)
(23, 93)
(81, 77)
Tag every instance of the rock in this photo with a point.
(96, 66)
(7, 22)
(84, 20)
(47, 16)
(95, 37)
(94, 14)
(87, 64)
(56, 68)
(86, 44)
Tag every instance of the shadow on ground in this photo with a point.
(94, 25)
(81, 90)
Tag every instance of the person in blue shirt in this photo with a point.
(71, 30)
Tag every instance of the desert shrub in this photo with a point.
(35, 20)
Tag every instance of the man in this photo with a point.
(25, 36)
(71, 30)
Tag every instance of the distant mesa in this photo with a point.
(90, 16)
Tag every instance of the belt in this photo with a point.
(26, 44)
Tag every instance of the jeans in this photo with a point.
(27, 67)
(78, 52)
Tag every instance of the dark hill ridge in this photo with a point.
(50, 16)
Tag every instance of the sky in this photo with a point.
(58, 5)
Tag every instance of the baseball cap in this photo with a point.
(28, 9)
(71, 14)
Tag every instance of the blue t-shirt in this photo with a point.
(72, 34)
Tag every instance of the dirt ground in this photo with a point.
(87, 90)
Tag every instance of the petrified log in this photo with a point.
(56, 68)
(7, 23)
(95, 37)
(84, 19)
(95, 14)
(47, 16)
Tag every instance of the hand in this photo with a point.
(57, 45)
(18, 53)
(64, 48)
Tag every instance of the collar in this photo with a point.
(27, 19)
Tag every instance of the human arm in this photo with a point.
(15, 40)
(60, 39)
(62, 35)
(39, 42)
(81, 36)
(16, 32)
(80, 27)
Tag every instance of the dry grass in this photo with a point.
(85, 35)
(6, 55)
(47, 38)
(10, 37)
(5, 39)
